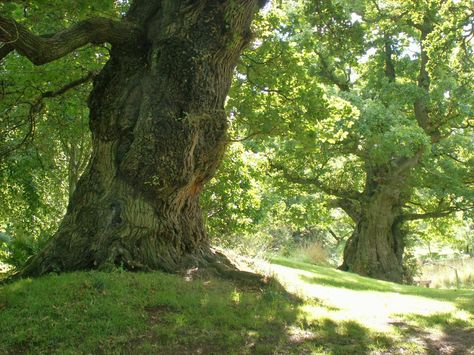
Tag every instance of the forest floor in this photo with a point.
(323, 311)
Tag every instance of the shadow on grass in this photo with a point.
(463, 299)
(456, 336)
(158, 313)
(346, 337)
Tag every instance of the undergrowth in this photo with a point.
(457, 273)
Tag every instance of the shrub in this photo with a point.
(313, 253)
(411, 267)
(451, 273)
(16, 251)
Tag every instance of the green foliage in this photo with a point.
(5, 240)
(248, 212)
(232, 200)
(311, 93)
(44, 141)
(316, 95)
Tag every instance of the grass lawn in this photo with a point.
(148, 313)
(391, 316)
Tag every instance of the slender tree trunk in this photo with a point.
(158, 128)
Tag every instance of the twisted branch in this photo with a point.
(41, 49)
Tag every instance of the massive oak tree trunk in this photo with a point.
(158, 125)
(376, 246)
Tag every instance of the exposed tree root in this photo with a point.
(217, 265)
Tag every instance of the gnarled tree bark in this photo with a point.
(376, 246)
(158, 125)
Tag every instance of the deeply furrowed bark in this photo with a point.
(375, 248)
(158, 128)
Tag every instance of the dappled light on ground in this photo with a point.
(435, 320)
(325, 311)
(141, 313)
(355, 301)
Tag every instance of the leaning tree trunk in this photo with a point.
(376, 246)
(158, 125)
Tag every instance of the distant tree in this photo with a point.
(370, 102)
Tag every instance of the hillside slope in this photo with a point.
(139, 313)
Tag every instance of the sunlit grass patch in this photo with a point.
(333, 313)
(382, 308)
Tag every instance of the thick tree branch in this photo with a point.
(291, 177)
(404, 164)
(351, 207)
(5, 50)
(329, 74)
(423, 81)
(442, 212)
(389, 66)
(428, 215)
(41, 50)
(422, 113)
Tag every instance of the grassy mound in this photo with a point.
(159, 313)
